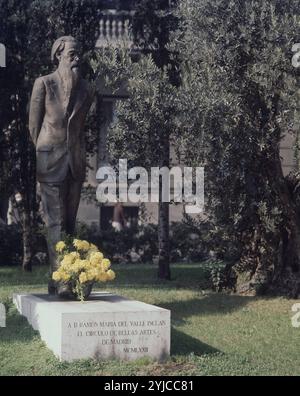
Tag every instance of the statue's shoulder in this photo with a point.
(49, 77)
(45, 79)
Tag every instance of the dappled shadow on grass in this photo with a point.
(15, 276)
(211, 304)
(17, 328)
(145, 277)
(183, 344)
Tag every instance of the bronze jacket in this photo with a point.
(58, 133)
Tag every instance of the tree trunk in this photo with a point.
(163, 217)
(28, 204)
(270, 259)
(27, 242)
(163, 242)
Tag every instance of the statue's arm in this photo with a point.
(37, 109)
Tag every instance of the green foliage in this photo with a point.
(189, 244)
(119, 245)
(152, 25)
(186, 243)
(146, 119)
(236, 61)
(145, 124)
(238, 98)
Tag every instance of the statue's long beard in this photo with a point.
(70, 78)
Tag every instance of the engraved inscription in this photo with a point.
(121, 333)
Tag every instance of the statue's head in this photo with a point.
(66, 53)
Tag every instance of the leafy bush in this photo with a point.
(139, 243)
(192, 242)
(187, 243)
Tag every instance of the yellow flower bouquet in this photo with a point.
(81, 265)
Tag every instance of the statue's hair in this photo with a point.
(59, 46)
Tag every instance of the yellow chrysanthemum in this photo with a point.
(56, 276)
(81, 245)
(67, 260)
(83, 278)
(94, 263)
(110, 275)
(77, 243)
(105, 264)
(85, 264)
(85, 246)
(65, 276)
(79, 265)
(74, 255)
(96, 258)
(93, 247)
(60, 246)
(91, 275)
(102, 277)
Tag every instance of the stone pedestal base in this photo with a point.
(106, 326)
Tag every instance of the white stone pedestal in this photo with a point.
(106, 326)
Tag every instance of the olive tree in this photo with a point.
(238, 98)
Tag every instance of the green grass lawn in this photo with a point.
(212, 334)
